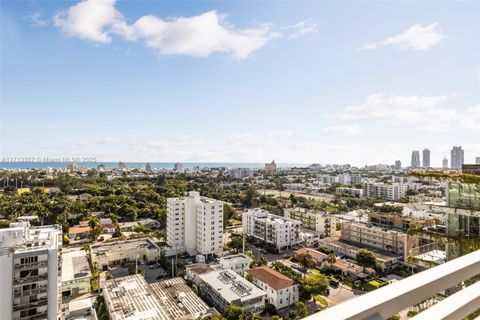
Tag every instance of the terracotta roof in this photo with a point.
(313, 253)
(80, 229)
(271, 277)
(355, 268)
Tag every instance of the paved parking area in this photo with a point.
(151, 275)
(340, 294)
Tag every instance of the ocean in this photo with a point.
(6, 165)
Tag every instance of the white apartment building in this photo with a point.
(321, 222)
(282, 232)
(240, 173)
(236, 262)
(378, 238)
(30, 271)
(344, 178)
(195, 224)
(281, 290)
(351, 191)
(224, 287)
(390, 192)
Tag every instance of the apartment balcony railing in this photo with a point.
(24, 293)
(41, 315)
(32, 265)
(30, 304)
(389, 300)
(29, 279)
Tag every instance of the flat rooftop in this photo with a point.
(231, 286)
(179, 299)
(75, 265)
(123, 245)
(199, 268)
(235, 257)
(132, 298)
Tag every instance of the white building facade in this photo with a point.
(281, 232)
(30, 274)
(321, 222)
(195, 224)
(281, 291)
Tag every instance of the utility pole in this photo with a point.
(243, 242)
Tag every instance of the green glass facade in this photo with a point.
(462, 224)
(464, 195)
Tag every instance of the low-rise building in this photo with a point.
(131, 297)
(120, 252)
(80, 310)
(236, 262)
(342, 248)
(224, 287)
(281, 232)
(383, 239)
(352, 270)
(351, 191)
(309, 238)
(281, 290)
(76, 273)
(318, 257)
(79, 232)
(319, 221)
(397, 220)
(194, 270)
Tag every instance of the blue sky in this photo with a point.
(329, 82)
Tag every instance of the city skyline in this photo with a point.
(273, 87)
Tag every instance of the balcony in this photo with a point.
(19, 293)
(29, 279)
(33, 265)
(387, 301)
(30, 304)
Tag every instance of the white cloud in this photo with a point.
(90, 19)
(301, 28)
(425, 114)
(197, 36)
(418, 37)
(36, 20)
(342, 130)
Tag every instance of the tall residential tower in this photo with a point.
(456, 157)
(30, 271)
(426, 158)
(415, 163)
(195, 224)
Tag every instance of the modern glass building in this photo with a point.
(464, 195)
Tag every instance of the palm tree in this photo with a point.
(332, 258)
(306, 261)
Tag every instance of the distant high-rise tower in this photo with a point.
(456, 157)
(148, 168)
(415, 159)
(398, 164)
(426, 158)
(477, 160)
(178, 167)
(445, 163)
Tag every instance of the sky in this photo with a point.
(240, 81)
